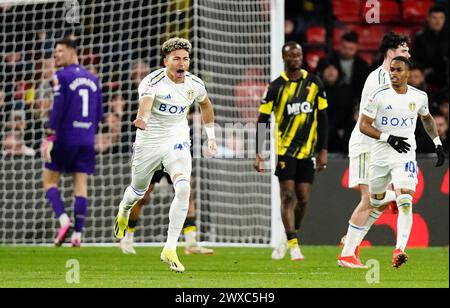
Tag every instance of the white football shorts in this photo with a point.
(401, 175)
(173, 153)
(359, 170)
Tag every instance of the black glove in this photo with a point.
(399, 144)
(440, 155)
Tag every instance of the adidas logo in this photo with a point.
(167, 96)
(389, 107)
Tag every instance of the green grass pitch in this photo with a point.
(228, 267)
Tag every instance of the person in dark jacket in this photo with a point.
(354, 69)
(430, 48)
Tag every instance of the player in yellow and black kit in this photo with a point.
(298, 101)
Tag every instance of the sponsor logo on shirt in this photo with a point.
(394, 121)
(85, 125)
(297, 108)
(172, 109)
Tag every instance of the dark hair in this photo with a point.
(69, 41)
(351, 36)
(436, 9)
(404, 60)
(391, 41)
(289, 44)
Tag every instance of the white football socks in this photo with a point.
(178, 211)
(375, 214)
(353, 238)
(405, 220)
(130, 197)
(63, 219)
(373, 217)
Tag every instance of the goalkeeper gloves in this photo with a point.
(440, 155)
(397, 143)
(46, 148)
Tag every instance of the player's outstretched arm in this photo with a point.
(144, 111)
(397, 143)
(207, 112)
(430, 127)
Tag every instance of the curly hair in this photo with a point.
(175, 43)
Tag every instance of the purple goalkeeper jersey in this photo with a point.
(77, 105)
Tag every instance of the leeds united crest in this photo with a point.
(190, 94)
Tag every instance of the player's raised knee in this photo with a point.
(182, 186)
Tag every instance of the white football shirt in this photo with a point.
(171, 103)
(360, 143)
(395, 114)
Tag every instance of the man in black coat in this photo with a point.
(353, 68)
(430, 48)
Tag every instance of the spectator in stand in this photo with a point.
(2, 98)
(417, 78)
(430, 49)
(304, 14)
(291, 33)
(340, 108)
(443, 105)
(16, 121)
(14, 145)
(109, 137)
(353, 68)
(248, 94)
(139, 70)
(2, 109)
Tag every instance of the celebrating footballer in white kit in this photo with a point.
(390, 118)
(163, 138)
(364, 215)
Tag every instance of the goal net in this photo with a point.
(120, 42)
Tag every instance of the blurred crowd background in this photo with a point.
(339, 45)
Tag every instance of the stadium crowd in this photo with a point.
(27, 68)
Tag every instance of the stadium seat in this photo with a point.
(370, 36)
(368, 56)
(316, 35)
(409, 31)
(389, 11)
(337, 34)
(347, 10)
(312, 59)
(416, 11)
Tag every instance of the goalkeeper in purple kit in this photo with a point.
(69, 146)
